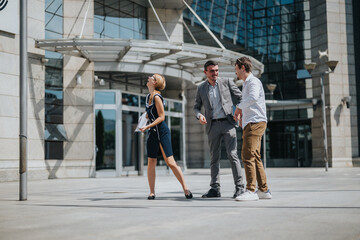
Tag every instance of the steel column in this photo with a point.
(23, 89)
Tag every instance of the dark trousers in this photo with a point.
(224, 130)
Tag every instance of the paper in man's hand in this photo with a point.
(142, 122)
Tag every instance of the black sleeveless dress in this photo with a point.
(159, 134)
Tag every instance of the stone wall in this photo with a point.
(331, 29)
(10, 99)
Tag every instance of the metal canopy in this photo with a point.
(273, 105)
(180, 60)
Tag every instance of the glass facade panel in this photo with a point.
(130, 99)
(142, 101)
(166, 105)
(290, 144)
(176, 137)
(54, 103)
(277, 33)
(104, 97)
(53, 19)
(176, 107)
(119, 19)
(54, 150)
(130, 141)
(105, 127)
(55, 132)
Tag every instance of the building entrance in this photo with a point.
(117, 146)
(107, 132)
(290, 144)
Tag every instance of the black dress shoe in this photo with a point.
(151, 197)
(189, 195)
(212, 193)
(238, 191)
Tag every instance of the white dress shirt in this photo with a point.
(253, 101)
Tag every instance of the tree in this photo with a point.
(100, 136)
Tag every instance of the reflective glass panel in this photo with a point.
(176, 137)
(54, 130)
(53, 19)
(105, 97)
(177, 107)
(130, 99)
(131, 141)
(142, 101)
(54, 150)
(119, 19)
(105, 127)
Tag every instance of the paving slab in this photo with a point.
(308, 203)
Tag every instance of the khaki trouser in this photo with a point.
(254, 169)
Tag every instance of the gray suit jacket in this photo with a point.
(227, 89)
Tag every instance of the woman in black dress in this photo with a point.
(159, 135)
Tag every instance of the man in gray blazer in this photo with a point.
(215, 95)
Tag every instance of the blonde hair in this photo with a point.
(159, 85)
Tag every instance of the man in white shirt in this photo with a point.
(251, 114)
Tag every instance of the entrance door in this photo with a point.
(304, 143)
(107, 132)
(290, 144)
(133, 105)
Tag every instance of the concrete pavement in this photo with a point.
(308, 203)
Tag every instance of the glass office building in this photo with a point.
(89, 62)
(277, 33)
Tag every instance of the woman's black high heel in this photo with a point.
(189, 195)
(151, 197)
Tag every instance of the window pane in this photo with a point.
(130, 99)
(176, 137)
(119, 19)
(130, 141)
(53, 78)
(177, 107)
(142, 101)
(55, 132)
(166, 105)
(54, 113)
(105, 98)
(105, 127)
(53, 6)
(54, 150)
(54, 106)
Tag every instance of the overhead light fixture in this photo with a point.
(310, 67)
(315, 103)
(346, 100)
(271, 87)
(99, 80)
(332, 65)
(44, 60)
